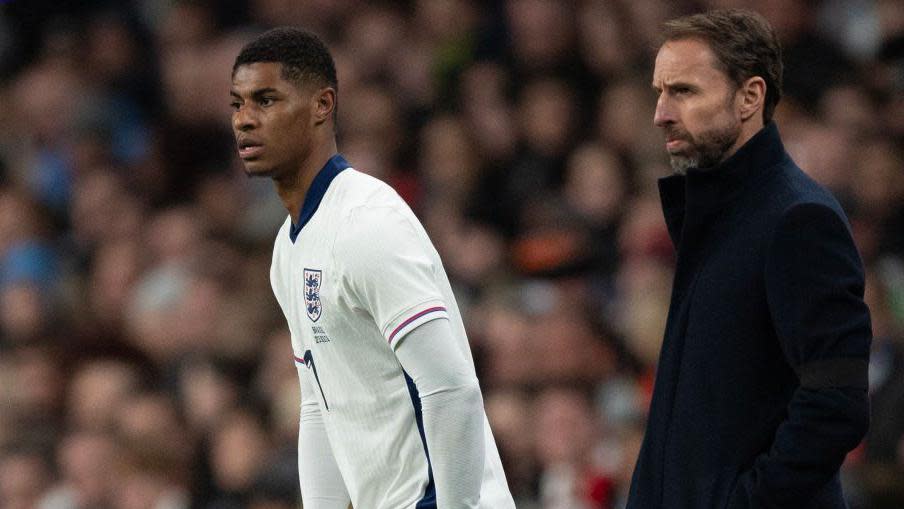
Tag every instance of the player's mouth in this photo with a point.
(249, 149)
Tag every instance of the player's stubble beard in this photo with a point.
(706, 150)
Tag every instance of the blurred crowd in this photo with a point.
(144, 363)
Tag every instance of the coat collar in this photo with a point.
(692, 198)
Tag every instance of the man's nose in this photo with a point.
(664, 115)
(243, 120)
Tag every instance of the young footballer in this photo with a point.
(391, 411)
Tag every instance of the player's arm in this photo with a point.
(322, 486)
(321, 482)
(814, 283)
(451, 408)
(391, 272)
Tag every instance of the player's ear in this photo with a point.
(752, 96)
(325, 103)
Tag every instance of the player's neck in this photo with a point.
(293, 189)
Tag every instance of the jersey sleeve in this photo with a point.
(389, 270)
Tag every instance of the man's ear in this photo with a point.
(752, 97)
(325, 104)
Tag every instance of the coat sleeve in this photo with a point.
(814, 283)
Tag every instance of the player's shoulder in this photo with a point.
(281, 251)
(356, 189)
(280, 255)
(373, 215)
(364, 201)
(282, 236)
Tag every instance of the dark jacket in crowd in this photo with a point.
(761, 388)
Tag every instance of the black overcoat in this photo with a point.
(761, 385)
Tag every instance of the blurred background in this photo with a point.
(144, 363)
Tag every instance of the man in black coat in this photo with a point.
(761, 388)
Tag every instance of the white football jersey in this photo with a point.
(353, 278)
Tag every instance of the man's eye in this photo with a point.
(267, 101)
(236, 105)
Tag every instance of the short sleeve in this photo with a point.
(389, 270)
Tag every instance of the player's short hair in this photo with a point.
(304, 57)
(744, 43)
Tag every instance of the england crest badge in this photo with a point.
(312, 304)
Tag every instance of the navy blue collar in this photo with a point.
(315, 193)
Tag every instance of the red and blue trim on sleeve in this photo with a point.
(403, 327)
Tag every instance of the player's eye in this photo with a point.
(236, 105)
(267, 101)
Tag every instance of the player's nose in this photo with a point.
(243, 120)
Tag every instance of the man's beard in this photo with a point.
(707, 150)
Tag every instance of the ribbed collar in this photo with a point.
(315, 193)
(692, 198)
